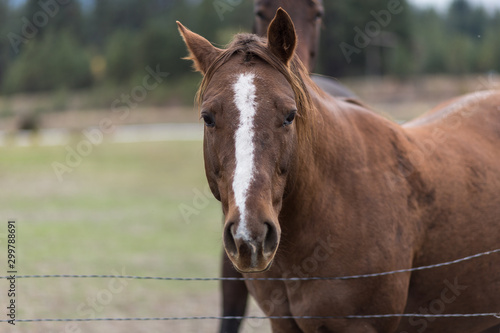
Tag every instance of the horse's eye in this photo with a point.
(208, 119)
(289, 119)
(319, 15)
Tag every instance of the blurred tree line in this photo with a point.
(53, 44)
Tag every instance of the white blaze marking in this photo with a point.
(244, 98)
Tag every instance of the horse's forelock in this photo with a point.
(250, 46)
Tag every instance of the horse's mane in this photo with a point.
(250, 46)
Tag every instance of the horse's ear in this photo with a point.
(201, 51)
(281, 37)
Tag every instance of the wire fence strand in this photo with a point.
(258, 279)
(416, 315)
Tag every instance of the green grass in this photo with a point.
(117, 212)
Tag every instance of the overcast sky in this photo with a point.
(442, 4)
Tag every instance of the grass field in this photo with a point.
(131, 209)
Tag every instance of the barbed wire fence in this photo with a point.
(351, 277)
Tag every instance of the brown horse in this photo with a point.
(314, 186)
(307, 16)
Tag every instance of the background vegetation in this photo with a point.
(88, 44)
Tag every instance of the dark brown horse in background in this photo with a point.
(311, 183)
(307, 16)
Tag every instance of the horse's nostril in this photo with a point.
(229, 242)
(271, 239)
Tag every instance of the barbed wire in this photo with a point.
(417, 315)
(451, 315)
(259, 279)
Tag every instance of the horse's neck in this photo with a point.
(350, 141)
(345, 130)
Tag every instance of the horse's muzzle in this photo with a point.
(251, 254)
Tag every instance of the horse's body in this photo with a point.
(343, 191)
(403, 197)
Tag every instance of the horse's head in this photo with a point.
(249, 100)
(307, 16)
